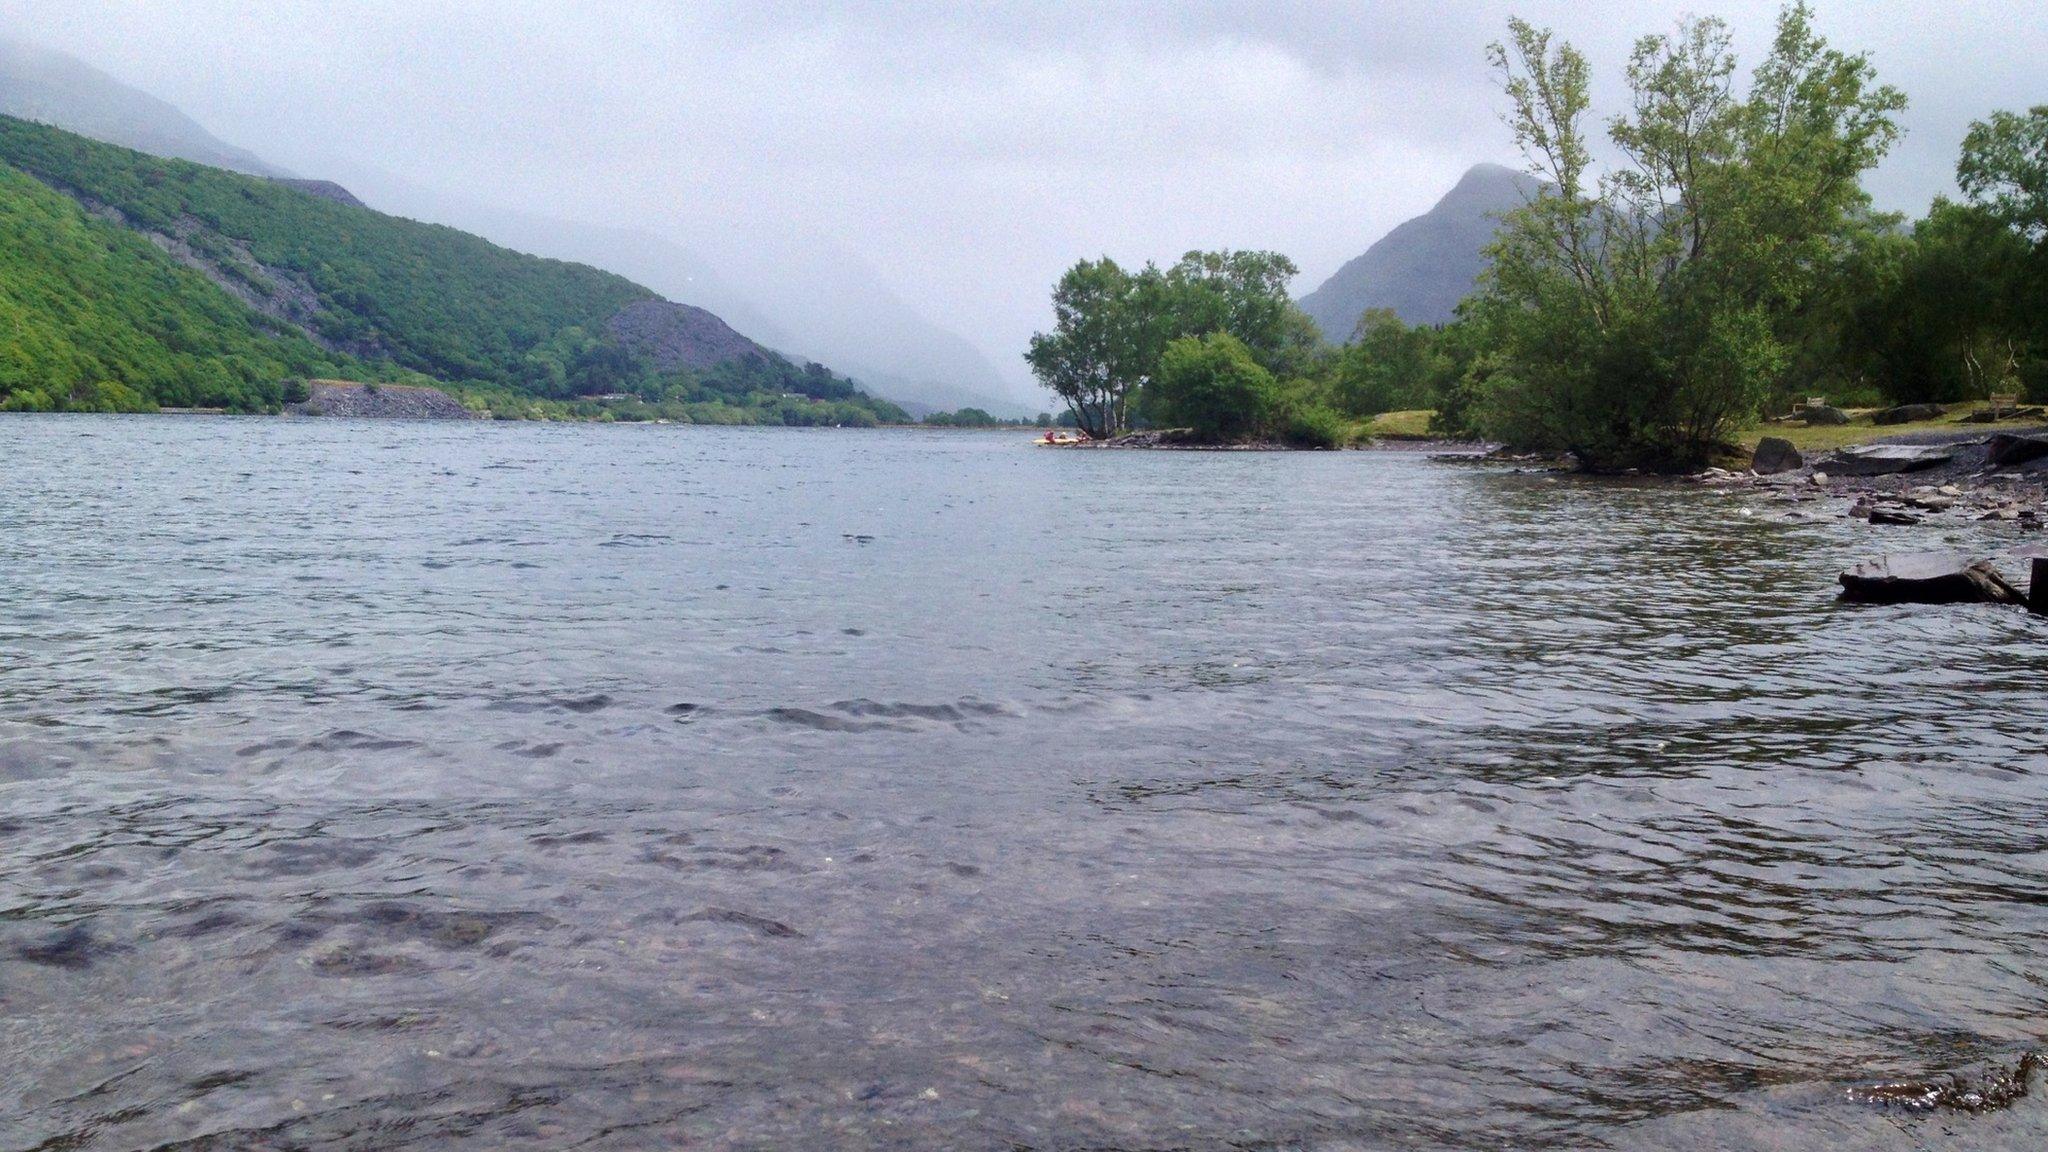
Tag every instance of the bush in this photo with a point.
(1212, 386)
(1314, 426)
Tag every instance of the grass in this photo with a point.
(1414, 425)
(1859, 430)
(1411, 425)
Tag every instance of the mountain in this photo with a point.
(841, 309)
(800, 294)
(95, 316)
(178, 283)
(1424, 267)
(52, 88)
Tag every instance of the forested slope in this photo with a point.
(187, 285)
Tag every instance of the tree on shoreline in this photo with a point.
(1111, 327)
(1639, 319)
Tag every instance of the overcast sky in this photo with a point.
(970, 152)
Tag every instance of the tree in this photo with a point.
(1935, 318)
(2004, 168)
(1112, 327)
(1387, 366)
(1095, 356)
(1244, 294)
(2004, 172)
(1212, 385)
(1643, 317)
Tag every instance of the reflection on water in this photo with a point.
(422, 787)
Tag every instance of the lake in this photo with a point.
(485, 786)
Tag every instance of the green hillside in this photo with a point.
(442, 302)
(189, 285)
(93, 316)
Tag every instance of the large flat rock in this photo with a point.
(1886, 459)
(1928, 578)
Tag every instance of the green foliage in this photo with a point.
(1937, 318)
(2004, 168)
(1098, 350)
(1213, 385)
(1642, 320)
(1390, 367)
(978, 418)
(1303, 420)
(431, 299)
(1112, 327)
(96, 318)
(2004, 171)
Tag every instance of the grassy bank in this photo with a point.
(1860, 430)
(1414, 425)
(1411, 425)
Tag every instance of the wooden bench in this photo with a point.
(2003, 402)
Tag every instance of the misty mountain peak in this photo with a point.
(52, 88)
(1425, 266)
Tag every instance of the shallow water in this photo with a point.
(445, 786)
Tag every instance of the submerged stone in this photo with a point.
(1999, 1089)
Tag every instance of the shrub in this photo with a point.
(1313, 426)
(1212, 386)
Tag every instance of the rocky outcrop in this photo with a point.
(1774, 455)
(379, 402)
(1907, 414)
(678, 336)
(1887, 459)
(1824, 414)
(2007, 450)
(1928, 578)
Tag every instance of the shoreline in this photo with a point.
(1945, 478)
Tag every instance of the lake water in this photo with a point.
(444, 786)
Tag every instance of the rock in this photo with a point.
(1820, 479)
(1987, 416)
(378, 402)
(678, 336)
(1907, 414)
(1774, 455)
(1927, 578)
(1886, 459)
(1824, 414)
(1889, 516)
(2006, 450)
